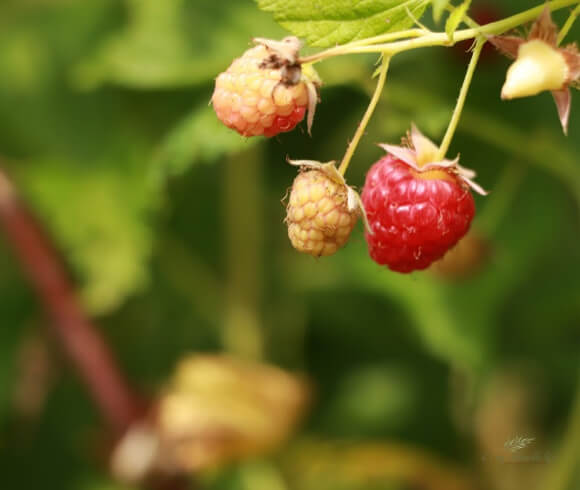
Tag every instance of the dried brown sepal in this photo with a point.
(507, 45)
(285, 51)
(544, 28)
(563, 100)
(572, 56)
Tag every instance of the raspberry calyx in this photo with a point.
(418, 206)
(322, 209)
(267, 91)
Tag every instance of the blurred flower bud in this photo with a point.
(215, 410)
(465, 259)
(219, 409)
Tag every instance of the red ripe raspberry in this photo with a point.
(265, 92)
(416, 210)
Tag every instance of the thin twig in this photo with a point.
(367, 116)
(461, 99)
(568, 25)
(80, 339)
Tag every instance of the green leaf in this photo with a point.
(455, 18)
(332, 22)
(439, 7)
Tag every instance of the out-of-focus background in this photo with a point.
(462, 377)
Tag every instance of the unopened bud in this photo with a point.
(538, 67)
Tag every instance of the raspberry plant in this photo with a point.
(416, 203)
(105, 103)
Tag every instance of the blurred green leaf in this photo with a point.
(331, 22)
(373, 398)
(199, 137)
(439, 7)
(437, 320)
(101, 219)
(174, 42)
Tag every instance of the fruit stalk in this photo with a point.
(367, 116)
(461, 99)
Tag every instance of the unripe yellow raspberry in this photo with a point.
(265, 92)
(320, 214)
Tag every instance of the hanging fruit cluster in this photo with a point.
(416, 204)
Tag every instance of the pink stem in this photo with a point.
(80, 338)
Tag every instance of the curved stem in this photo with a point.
(436, 38)
(461, 99)
(367, 116)
(382, 38)
(569, 23)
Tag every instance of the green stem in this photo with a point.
(382, 38)
(366, 118)
(461, 99)
(391, 36)
(242, 333)
(569, 23)
(436, 38)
